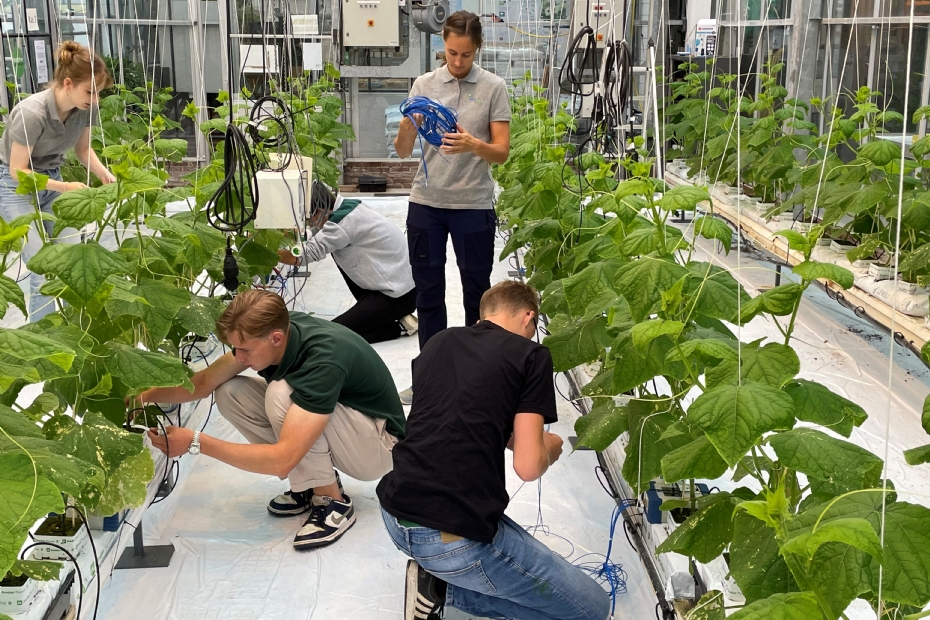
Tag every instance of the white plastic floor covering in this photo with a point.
(233, 561)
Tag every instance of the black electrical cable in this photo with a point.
(235, 202)
(93, 549)
(569, 81)
(77, 568)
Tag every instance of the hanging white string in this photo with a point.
(894, 313)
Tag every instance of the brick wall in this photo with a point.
(399, 172)
(176, 170)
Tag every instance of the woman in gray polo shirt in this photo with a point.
(456, 198)
(39, 131)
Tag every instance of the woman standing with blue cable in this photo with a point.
(453, 191)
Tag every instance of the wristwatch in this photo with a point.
(194, 448)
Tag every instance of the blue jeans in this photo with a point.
(472, 232)
(515, 577)
(13, 205)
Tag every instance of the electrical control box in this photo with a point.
(370, 23)
(281, 199)
(599, 16)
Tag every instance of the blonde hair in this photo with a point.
(253, 314)
(80, 65)
(509, 296)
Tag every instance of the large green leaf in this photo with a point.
(684, 197)
(644, 333)
(140, 369)
(810, 270)
(648, 423)
(200, 316)
(80, 207)
(588, 285)
(917, 259)
(715, 292)
(40, 570)
(815, 403)
(601, 427)
(880, 152)
(10, 293)
(575, 342)
(906, 567)
(698, 459)
(794, 606)
(713, 228)
(24, 498)
(837, 570)
(917, 456)
(709, 607)
(779, 301)
(98, 441)
(774, 364)
(855, 532)
(633, 367)
(82, 266)
(756, 564)
(706, 533)
(26, 346)
(70, 474)
(643, 281)
(17, 424)
(127, 486)
(735, 417)
(137, 180)
(160, 307)
(826, 458)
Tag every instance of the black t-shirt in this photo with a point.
(468, 383)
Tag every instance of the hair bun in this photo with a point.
(68, 50)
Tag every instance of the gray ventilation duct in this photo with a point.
(429, 15)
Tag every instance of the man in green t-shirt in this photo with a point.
(324, 400)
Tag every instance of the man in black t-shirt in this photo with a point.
(477, 391)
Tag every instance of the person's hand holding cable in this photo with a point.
(175, 444)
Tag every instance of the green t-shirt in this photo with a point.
(326, 363)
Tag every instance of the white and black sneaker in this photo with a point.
(425, 594)
(409, 325)
(328, 521)
(291, 503)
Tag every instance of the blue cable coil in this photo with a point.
(438, 120)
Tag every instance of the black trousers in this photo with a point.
(472, 232)
(375, 315)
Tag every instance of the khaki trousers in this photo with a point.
(352, 442)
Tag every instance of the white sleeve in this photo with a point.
(331, 237)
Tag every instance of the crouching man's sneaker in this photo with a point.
(328, 521)
(425, 594)
(292, 503)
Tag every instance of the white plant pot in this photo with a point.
(840, 248)
(878, 272)
(907, 287)
(75, 545)
(15, 600)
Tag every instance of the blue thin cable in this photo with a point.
(438, 120)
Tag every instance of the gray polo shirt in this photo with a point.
(34, 122)
(461, 181)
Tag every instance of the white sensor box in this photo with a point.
(281, 199)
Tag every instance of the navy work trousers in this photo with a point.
(472, 231)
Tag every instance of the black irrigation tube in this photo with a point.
(631, 525)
